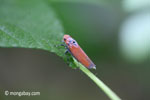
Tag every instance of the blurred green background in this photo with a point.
(115, 35)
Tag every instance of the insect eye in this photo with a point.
(64, 39)
(74, 42)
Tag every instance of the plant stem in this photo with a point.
(99, 83)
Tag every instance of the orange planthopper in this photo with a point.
(76, 51)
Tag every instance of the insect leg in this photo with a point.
(62, 45)
(66, 51)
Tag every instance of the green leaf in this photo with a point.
(29, 24)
